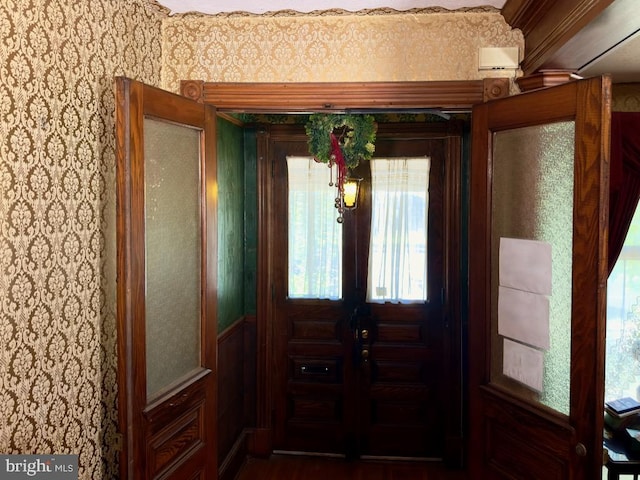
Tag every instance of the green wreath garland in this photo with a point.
(356, 135)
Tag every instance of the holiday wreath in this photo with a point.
(346, 139)
(341, 141)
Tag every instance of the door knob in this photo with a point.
(365, 334)
(581, 450)
(365, 353)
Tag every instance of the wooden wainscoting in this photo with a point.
(236, 394)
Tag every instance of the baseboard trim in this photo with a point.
(295, 453)
(234, 459)
(259, 442)
(454, 456)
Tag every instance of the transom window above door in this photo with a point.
(397, 265)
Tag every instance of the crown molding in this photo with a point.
(547, 25)
(344, 96)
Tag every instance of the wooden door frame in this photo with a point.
(340, 97)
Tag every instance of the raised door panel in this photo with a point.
(403, 383)
(312, 415)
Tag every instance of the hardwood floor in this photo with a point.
(290, 467)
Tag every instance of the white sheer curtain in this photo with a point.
(315, 237)
(398, 244)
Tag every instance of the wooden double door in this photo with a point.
(369, 379)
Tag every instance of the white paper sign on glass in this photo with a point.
(523, 363)
(525, 265)
(524, 316)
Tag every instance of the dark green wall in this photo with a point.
(250, 220)
(230, 223)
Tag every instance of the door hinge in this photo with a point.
(117, 442)
(442, 296)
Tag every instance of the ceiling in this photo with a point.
(589, 53)
(622, 61)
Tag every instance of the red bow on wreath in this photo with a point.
(339, 160)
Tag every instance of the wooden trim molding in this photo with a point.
(259, 441)
(344, 96)
(238, 323)
(548, 25)
(544, 78)
(232, 463)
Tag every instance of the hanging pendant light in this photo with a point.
(350, 191)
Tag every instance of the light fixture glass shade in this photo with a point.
(350, 192)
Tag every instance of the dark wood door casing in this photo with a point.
(312, 97)
(306, 97)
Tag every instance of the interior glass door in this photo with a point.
(167, 269)
(537, 289)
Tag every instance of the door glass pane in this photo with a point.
(532, 199)
(315, 236)
(172, 252)
(399, 218)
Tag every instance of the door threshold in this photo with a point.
(394, 458)
(308, 454)
(373, 458)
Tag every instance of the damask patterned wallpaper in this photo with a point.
(432, 45)
(58, 60)
(626, 97)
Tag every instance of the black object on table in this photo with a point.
(623, 454)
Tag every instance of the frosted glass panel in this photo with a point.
(173, 252)
(532, 199)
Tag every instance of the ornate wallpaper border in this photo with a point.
(331, 12)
